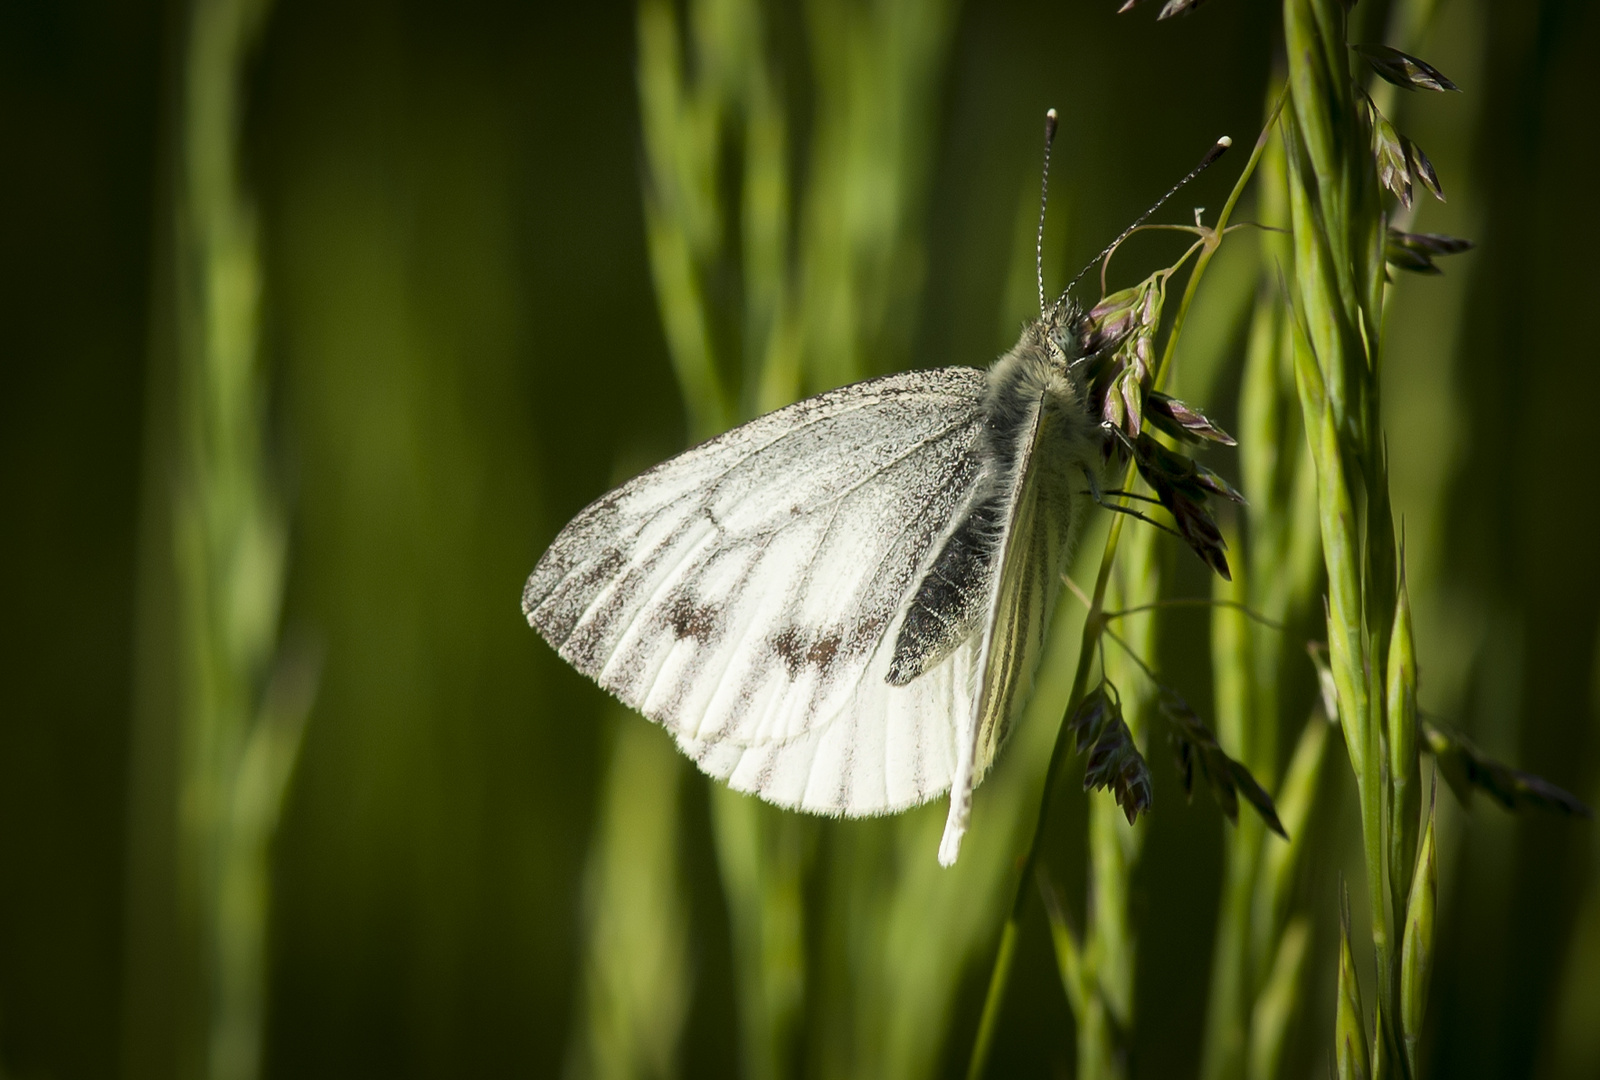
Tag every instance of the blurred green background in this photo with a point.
(462, 347)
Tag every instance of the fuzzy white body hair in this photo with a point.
(1038, 372)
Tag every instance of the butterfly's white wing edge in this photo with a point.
(911, 731)
(985, 694)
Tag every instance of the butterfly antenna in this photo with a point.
(1217, 150)
(1044, 201)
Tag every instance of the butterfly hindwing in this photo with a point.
(1039, 514)
(746, 594)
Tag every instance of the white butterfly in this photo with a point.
(840, 606)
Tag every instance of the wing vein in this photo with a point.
(716, 479)
(854, 685)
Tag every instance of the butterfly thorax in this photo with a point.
(1043, 370)
(1039, 437)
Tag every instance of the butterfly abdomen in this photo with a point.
(952, 595)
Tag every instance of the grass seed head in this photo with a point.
(1115, 763)
(1403, 69)
(1182, 421)
(1394, 166)
(1422, 169)
(1416, 960)
(1182, 488)
(1416, 251)
(1197, 750)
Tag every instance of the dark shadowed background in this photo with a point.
(463, 348)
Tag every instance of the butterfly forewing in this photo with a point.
(745, 594)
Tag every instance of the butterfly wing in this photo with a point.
(745, 594)
(1039, 511)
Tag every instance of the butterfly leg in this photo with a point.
(1131, 495)
(1100, 500)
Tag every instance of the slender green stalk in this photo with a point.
(690, 116)
(636, 980)
(1427, 450)
(761, 857)
(238, 699)
(1111, 946)
(1258, 948)
(1339, 240)
(243, 730)
(1240, 726)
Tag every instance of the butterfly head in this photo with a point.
(1066, 335)
(1069, 336)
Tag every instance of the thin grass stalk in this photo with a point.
(1106, 1027)
(1421, 331)
(1238, 726)
(636, 979)
(1098, 965)
(1408, 20)
(1339, 277)
(232, 539)
(1279, 936)
(761, 858)
(240, 699)
(874, 990)
(1258, 948)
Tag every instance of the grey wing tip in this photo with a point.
(531, 596)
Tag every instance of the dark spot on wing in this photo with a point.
(789, 644)
(799, 648)
(822, 651)
(691, 620)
